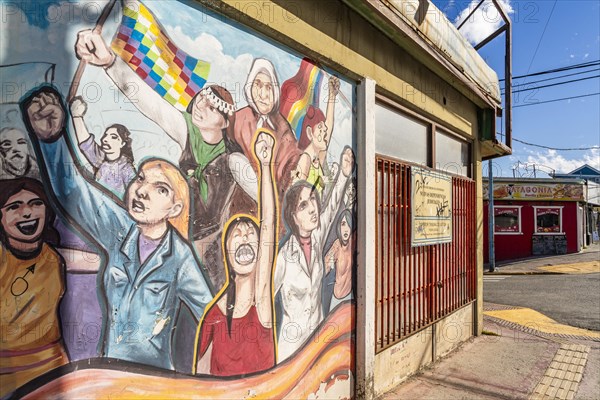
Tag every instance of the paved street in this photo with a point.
(569, 299)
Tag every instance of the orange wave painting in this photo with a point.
(322, 369)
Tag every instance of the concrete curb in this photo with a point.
(593, 248)
(531, 331)
(536, 319)
(524, 273)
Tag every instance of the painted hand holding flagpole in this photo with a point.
(90, 49)
(147, 66)
(337, 91)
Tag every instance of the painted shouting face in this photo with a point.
(151, 197)
(319, 136)
(212, 111)
(23, 218)
(205, 115)
(242, 246)
(112, 143)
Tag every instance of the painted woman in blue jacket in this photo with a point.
(150, 269)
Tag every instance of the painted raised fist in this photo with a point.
(45, 114)
(78, 107)
(263, 148)
(334, 86)
(347, 162)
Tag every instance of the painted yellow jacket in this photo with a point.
(30, 333)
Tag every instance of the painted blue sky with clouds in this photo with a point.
(36, 11)
(46, 31)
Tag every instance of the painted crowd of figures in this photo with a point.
(246, 231)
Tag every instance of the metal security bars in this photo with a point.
(416, 286)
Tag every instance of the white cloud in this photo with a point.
(563, 165)
(450, 5)
(225, 70)
(484, 21)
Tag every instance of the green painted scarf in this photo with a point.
(203, 153)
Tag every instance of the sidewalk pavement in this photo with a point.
(536, 359)
(586, 261)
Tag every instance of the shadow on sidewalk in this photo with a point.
(530, 264)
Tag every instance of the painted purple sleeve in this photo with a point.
(127, 174)
(92, 151)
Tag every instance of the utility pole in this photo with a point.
(492, 256)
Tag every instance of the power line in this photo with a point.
(541, 37)
(555, 100)
(556, 77)
(557, 148)
(561, 69)
(549, 79)
(556, 84)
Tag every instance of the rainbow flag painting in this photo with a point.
(299, 92)
(142, 43)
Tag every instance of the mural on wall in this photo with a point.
(177, 208)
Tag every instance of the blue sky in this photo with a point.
(547, 34)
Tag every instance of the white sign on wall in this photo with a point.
(431, 207)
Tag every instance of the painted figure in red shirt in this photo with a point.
(237, 334)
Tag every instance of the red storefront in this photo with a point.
(534, 217)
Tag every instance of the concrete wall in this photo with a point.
(451, 331)
(400, 361)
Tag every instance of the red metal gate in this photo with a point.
(416, 286)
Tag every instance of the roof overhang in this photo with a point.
(424, 32)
